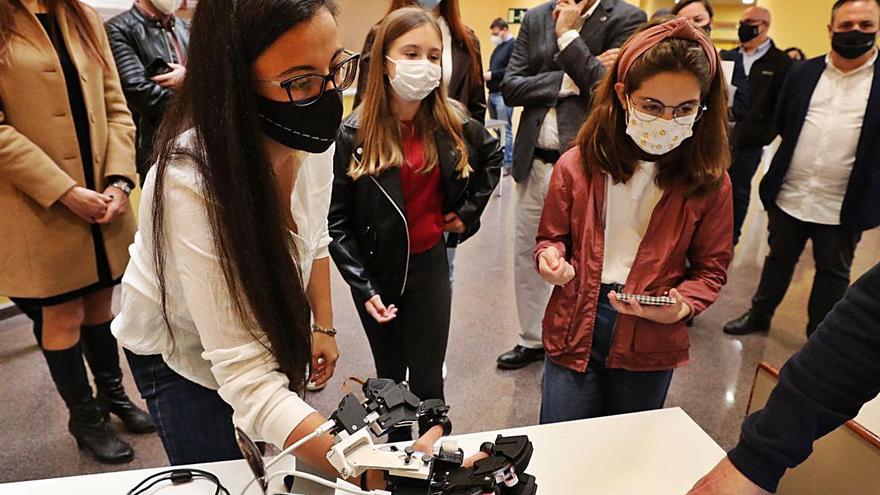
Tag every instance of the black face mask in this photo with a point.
(747, 32)
(312, 128)
(853, 44)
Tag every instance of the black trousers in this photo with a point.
(417, 338)
(742, 170)
(833, 250)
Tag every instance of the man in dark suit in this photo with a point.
(824, 182)
(563, 49)
(759, 71)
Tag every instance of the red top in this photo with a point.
(423, 196)
(697, 229)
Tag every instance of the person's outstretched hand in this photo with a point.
(725, 479)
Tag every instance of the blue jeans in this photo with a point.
(194, 423)
(498, 110)
(745, 164)
(570, 395)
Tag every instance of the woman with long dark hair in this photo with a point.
(67, 165)
(231, 258)
(462, 63)
(410, 166)
(640, 207)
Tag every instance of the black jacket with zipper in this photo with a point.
(368, 216)
(137, 42)
(755, 101)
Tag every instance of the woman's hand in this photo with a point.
(661, 314)
(453, 224)
(325, 354)
(85, 203)
(553, 267)
(378, 311)
(725, 479)
(117, 206)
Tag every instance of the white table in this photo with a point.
(869, 416)
(652, 453)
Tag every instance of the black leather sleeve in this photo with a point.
(344, 248)
(143, 95)
(486, 171)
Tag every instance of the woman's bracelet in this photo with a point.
(326, 331)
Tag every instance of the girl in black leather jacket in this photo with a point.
(410, 165)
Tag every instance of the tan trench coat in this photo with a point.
(45, 249)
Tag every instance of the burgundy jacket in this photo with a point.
(697, 229)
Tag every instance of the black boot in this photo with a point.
(36, 315)
(102, 353)
(87, 424)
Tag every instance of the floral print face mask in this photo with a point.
(656, 135)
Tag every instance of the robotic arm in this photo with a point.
(388, 405)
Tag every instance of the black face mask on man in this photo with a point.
(853, 44)
(747, 32)
(312, 128)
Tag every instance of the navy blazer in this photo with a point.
(861, 205)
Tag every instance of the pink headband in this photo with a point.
(680, 28)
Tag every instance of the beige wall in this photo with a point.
(807, 29)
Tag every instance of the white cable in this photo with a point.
(320, 430)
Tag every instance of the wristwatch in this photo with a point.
(326, 331)
(122, 185)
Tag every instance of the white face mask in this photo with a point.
(497, 40)
(415, 79)
(659, 136)
(167, 6)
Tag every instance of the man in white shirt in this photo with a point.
(562, 51)
(824, 183)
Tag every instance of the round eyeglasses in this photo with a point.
(303, 90)
(648, 110)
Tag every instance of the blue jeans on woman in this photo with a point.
(194, 422)
(570, 395)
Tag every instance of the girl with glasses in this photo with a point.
(410, 165)
(226, 302)
(644, 192)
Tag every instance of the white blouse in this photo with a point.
(628, 210)
(207, 342)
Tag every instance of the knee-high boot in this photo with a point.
(102, 353)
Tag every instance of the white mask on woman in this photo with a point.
(415, 79)
(167, 7)
(659, 136)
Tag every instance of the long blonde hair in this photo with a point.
(380, 130)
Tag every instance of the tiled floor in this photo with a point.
(713, 389)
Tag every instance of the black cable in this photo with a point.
(177, 477)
